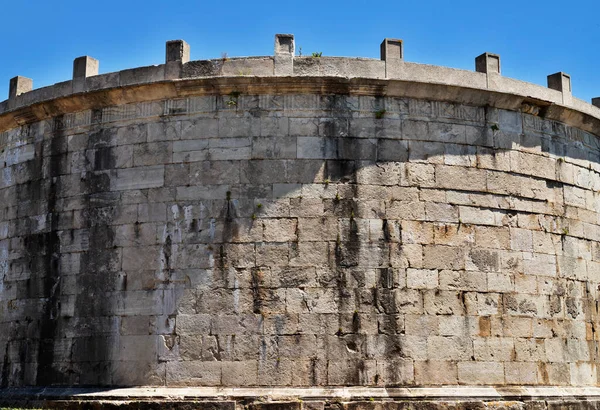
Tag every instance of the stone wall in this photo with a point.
(299, 239)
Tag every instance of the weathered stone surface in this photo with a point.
(297, 236)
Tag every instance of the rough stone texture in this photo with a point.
(305, 239)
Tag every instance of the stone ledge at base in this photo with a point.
(342, 398)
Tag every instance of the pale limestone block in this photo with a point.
(489, 158)
(454, 234)
(493, 349)
(521, 239)
(526, 305)
(461, 280)
(500, 282)
(317, 229)
(544, 242)
(463, 326)
(405, 210)
(436, 372)
(476, 373)
(432, 195)
(421, 279)
(462, 178)
(272, 255)
(449, 348)
(404, 256)
(421, 325)
(575, 196)
(440, 212)
(535, 165)
(443, 257)
(479, 216)
(513, 326)
(565, 172)
(420, 175)
(569, 267)
(421, 232)
(403, 193)
(512, 262)
(521, 373)
(530, 350)
(443, 302)
(539, 264)
(555, 373)
(544, 328)
(304, 207)
(280, 230)
(414, 347)
(382, 174)
(482, 303)
(195, 324)
(408, 301)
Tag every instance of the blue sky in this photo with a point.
(534, 38)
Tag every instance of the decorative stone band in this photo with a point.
(178, 70)
(313, 398)
(121, 101)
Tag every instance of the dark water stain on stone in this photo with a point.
(47, 246)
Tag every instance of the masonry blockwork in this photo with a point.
(298, 221)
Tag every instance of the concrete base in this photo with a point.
(346, 398)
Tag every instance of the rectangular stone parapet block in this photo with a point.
(284, 54)
(487, 63)
(19, 85)
(596, 102)
(177, 50)
(85, 66)
(560, 82)
(284, 44)
(391, 50)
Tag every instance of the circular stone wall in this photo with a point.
(297, 237)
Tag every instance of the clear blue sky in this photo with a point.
(534, 38)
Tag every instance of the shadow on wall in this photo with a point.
(95, 310)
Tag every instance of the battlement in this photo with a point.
(284, 63)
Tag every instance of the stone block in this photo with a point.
(85, 66)
(19, 85)
(477, 373)
(436, 372)
(391, 50)
(193, 373)
(177, 50)
(487, 63)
